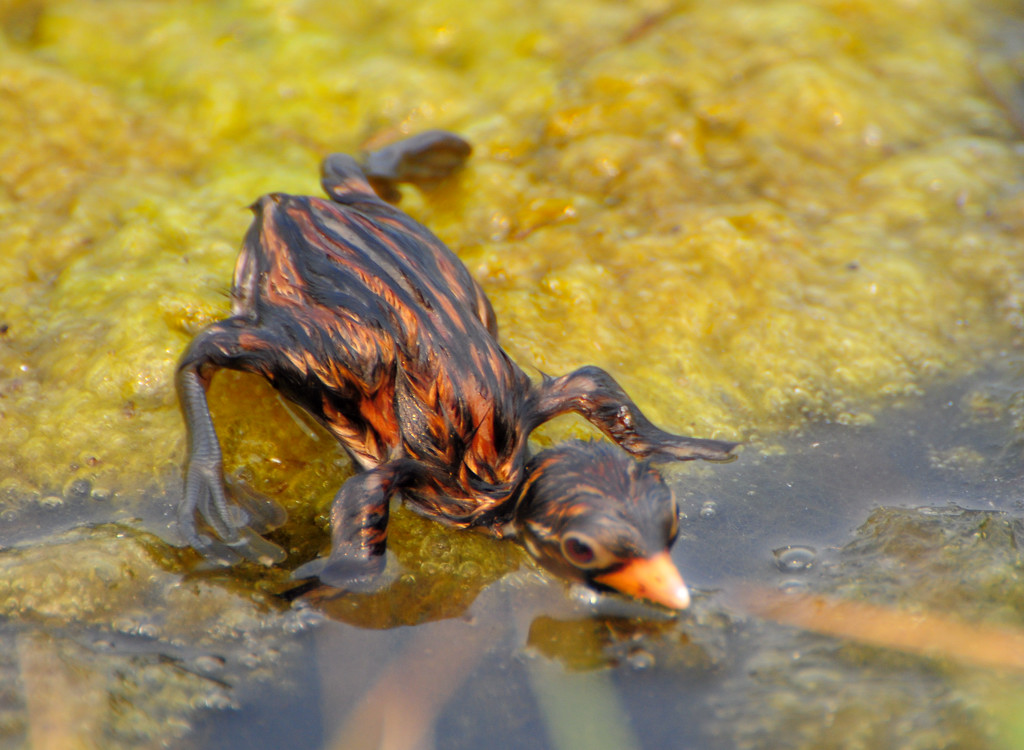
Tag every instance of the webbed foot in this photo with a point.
(678, 448)
(227, 531)
(264, 514)
(359, 560)
(361, 576)
(422, 159)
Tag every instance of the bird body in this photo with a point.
(361, 316)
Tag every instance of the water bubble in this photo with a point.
(709, 510)
(302, 618)
(51, 501)
(77, 489)
(438, 546)
(793, 586)
(526, 654)
(208, 663)
(794, 558)
(308, 616)
(243, 474)
(584, 595)
(217, 700)
(148, 630)
(102, 494)
(640, 658)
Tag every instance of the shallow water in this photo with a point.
(532, 666)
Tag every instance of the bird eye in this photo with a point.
(580, 552)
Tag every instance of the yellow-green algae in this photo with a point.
(752, 213)
(749, 212)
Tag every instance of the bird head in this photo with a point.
(590, 513)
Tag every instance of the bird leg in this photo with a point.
(359, 527)
(235, 525)
(594, 394)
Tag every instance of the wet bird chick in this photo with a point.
(362, 317)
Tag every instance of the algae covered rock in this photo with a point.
(750, 213)
(822, 692)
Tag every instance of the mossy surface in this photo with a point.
(751, 213)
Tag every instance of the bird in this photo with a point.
(361, 316)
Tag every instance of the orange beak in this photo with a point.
(655, 579)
